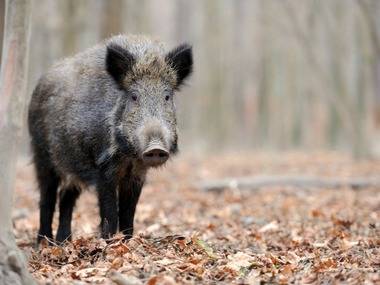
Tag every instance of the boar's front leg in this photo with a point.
(129, 193)
(67, 200)
(106, 189)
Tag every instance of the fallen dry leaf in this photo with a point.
(239, 260)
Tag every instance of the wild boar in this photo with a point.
(101, 119)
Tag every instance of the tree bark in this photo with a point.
(12, 106)
(2, 12)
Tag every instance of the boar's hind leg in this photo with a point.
(129, 193)
(48, 183)
(66, 206)
(108, 207)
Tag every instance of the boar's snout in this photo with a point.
(155, 155)
(154, 142)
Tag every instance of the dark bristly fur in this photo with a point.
(181, 59)
(91, 118)
(118, 62)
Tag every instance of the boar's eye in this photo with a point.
(134, 97)
(168, 94)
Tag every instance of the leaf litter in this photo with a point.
(185, 236)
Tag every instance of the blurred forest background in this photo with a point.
(268, 74)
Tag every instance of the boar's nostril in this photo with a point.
(155, 155)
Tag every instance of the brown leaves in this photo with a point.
(161, 280)
(239, 261)
(117, 263)
(325, 264)
(345, 223)
(185, 236)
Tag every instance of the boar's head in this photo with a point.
(144, 121)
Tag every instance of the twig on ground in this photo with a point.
(257, 182)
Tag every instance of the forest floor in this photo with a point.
(186, 235)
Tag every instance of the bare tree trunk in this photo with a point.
(112, 18)
(2, 12)
(12, 105)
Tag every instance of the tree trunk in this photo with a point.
(12, 106)
(2, 12)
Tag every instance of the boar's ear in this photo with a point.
(118, 62)
(181, 59)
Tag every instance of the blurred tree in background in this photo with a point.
(268, 74)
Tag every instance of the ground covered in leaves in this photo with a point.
(186, 235)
